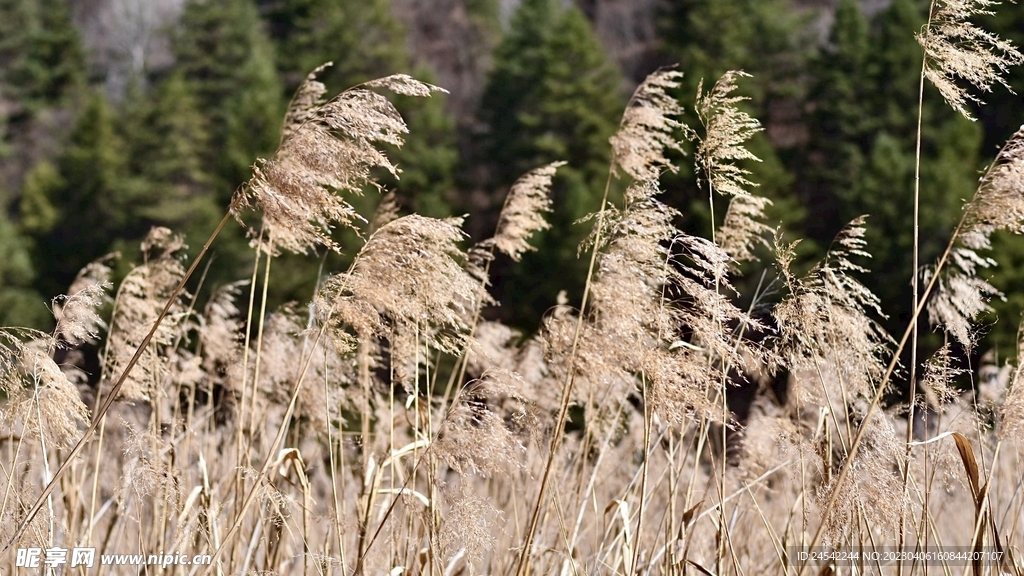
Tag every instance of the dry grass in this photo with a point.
(387, 429)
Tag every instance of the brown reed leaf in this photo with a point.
(963, 445)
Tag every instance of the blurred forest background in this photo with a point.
(116, 115)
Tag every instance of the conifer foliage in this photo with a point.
(551, 96)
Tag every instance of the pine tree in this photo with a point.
(429, 157)
(36, 209)
(361, 37)
(167, 144)
(227, 61)
(94, 197)
(167, 139)
(20, 305)
(41, 60)
(552, 95)
(842, 124)
(949, 163)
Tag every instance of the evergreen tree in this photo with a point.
(167, 138)
(20, 305)
(227, 62)
(949, 160)
(429, 156)
(552, 95)
(361, 37)
(167, 143)
(842, 123)
(37, 212)
(41, 60)
(93, 196)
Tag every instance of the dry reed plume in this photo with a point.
(390, 427)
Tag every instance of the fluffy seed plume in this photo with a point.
(874, 489)
(727, 130)
(477, 437)
(285, 341)
(43, 399)
(824, 324)
(470, 529)
(77, 313)
(220, 329)
(1012, 412)
(407, 273)
(939, 373)
(523, 214)
(307, 99)
(650, 282)
(742, 231)
(648, 128)
(330, 148)
(140, 299)
(955, 49)
(960, 295)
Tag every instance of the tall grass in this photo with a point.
(388, 428)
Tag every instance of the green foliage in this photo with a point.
(38, 214)
(362, 38)
(227, 62)
(841, 123)
(91, 194)
(41, 61)
(710, 37)
(167, 148)
(167, 138)
(552, 95)
(429, 157)
(20, 305)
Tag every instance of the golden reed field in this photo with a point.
(386, 427)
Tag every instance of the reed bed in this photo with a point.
(387, 427)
